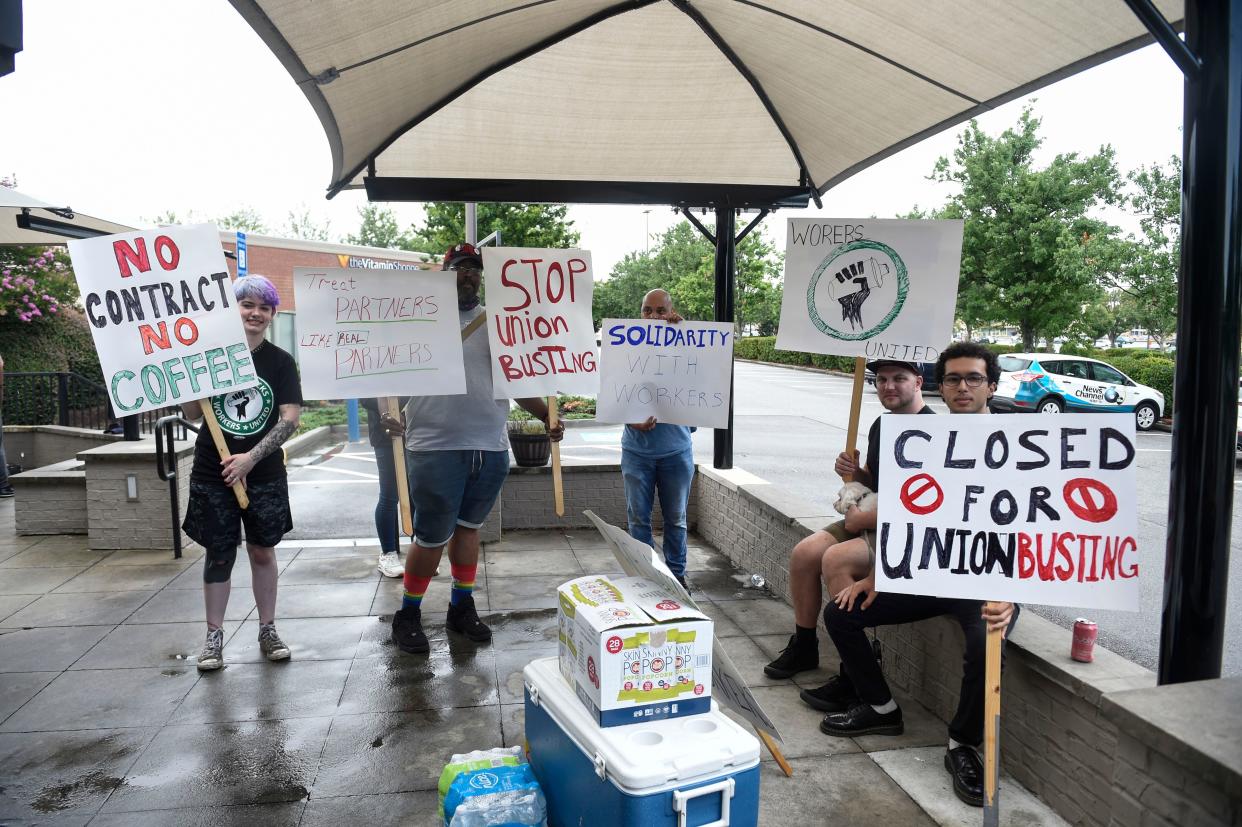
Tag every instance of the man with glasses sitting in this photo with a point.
(864, 705)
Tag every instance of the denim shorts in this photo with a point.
(452, 488)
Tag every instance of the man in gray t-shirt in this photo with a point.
(457, 458)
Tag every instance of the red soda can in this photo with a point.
(1083, 646)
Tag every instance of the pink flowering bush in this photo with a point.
(35, 283)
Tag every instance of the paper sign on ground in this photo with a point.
(879, 288)
(679, 373)
(539, 321)
(640, 560)
(163, 316)
(1028, 509)
(364, 333)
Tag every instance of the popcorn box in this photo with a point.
(632, 651)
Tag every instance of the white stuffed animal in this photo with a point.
(855, 493)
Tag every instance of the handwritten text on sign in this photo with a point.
(163, 316)
(678, 373)
(1038, 509)
(539, 321)
(870, 287)
(364, 333)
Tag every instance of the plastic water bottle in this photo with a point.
(525, 807)
(757, 581)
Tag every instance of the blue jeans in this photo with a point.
(388, 507)
(668, 477)
(452, 488)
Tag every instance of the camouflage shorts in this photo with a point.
(214, 519)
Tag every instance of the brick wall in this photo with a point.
(33, 446)
(115, 523)
(51, 502)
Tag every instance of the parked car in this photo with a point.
(929, 377)
(1051, 383)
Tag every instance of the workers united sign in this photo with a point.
(1030, 509)
(870, 287)
(163, 316)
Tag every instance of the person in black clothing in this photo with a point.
(858, 700)
(254, 431)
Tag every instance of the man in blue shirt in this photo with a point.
(658, 460)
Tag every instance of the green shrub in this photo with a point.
(763, 349)
(56, 344)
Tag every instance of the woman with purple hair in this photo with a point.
(255, 423)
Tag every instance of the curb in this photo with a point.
(302, 445)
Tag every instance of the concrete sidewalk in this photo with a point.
(104, 719)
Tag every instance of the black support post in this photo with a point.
(726, 248)
(1208, 325)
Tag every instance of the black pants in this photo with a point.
(846, 631)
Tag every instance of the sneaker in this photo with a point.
(862, 719)
(793, 659)
(390, 564)
(212, 656)
(407, 631)
(270, 644)
(464, 619)
(6, 492)
(837, 695)
(966, 768)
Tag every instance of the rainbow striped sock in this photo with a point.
(415, 588)
(463, 583)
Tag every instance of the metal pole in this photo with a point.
(1209, 321)
(351, 417)
(62, 399)
(726, 247)
(472, 222)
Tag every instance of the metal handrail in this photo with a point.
(166, 462)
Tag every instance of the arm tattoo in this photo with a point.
(281, 431)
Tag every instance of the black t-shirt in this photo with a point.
(246, 416)
(873, 448)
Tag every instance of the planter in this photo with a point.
(530, 450)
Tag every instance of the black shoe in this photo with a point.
(6, 492)
(407, 631)
(862, 719)
(837, 695)
(464, 619)
(681, 578)
(793, 659)
(966, 768)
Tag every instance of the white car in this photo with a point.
(1051, 383)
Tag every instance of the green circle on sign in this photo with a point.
(903, 289)
(244, 413)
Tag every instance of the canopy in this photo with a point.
(48, 223)
(662, 101)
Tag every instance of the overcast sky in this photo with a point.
(125, 109)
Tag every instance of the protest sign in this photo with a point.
(728, 686)
(679, 373)
(870, 287)
(364, 333)
(539, 322)
(1028, 509)
(163, 316)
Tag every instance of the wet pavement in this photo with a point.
(104, 719)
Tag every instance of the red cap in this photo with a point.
(461, 252)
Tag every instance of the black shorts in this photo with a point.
(214, 519)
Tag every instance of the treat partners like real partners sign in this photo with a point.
(364, 333)
(679, 373)
(163, 316)
(878, 288)
(1027, 509)
(539, 321)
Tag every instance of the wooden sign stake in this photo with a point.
(991, 729)
(851, 433)
(217, 436)
(558, 490)
(776, 753)
(398, 461)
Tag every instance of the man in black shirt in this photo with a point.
(255, 423)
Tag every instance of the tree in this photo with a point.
(246, 219)
(1019, 223)
(379, 229)
(172, 217)
(520, 225)
(302, 225)
(1152, 278)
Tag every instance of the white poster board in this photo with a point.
(163, 316)
(1027, 509)
(365, 333)
(728, 686)
(679, 373)
(879, 288)
(539, 322)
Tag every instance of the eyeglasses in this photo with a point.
(468, 269)
(972, 381)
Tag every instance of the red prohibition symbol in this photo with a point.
(1090, 500)
(914, 494)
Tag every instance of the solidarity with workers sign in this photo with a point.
(163, 316)
(1028, 509)
(870, 287)
(539, 321)
(679, 373)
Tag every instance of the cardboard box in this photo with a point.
(632, 651)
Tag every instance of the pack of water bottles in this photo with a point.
(491, 788)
